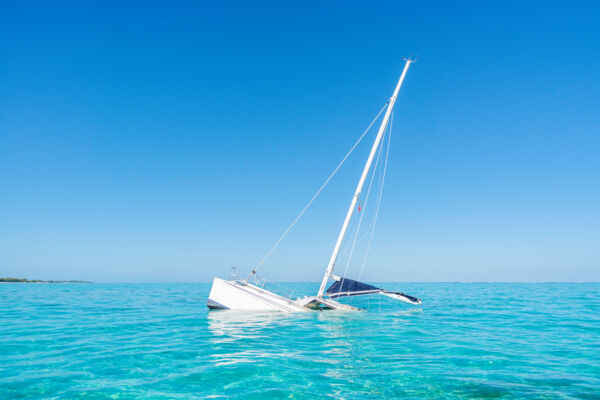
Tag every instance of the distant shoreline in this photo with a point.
(23, 280)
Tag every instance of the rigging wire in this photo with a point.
(370, 228)
(345, 247)
(289, 228)
(379, 151)
(387, 153)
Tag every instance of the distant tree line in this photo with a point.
(23, 280)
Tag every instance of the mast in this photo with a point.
(362, 179)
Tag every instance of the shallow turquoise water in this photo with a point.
(154, 341)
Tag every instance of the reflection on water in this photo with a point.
(234, 324)
(332, 338)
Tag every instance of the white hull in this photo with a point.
(239, 295)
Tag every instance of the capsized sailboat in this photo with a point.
(241, 294)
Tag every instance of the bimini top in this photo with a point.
(348, 287)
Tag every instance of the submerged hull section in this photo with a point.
(238, 295)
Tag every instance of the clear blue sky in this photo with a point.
(170, 141)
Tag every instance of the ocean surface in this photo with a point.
(158, 341)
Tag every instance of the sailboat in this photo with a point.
(241, 294)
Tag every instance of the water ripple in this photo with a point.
(156, 341)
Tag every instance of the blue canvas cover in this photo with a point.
(349, 287)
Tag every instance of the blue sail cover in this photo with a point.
(349, 287)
